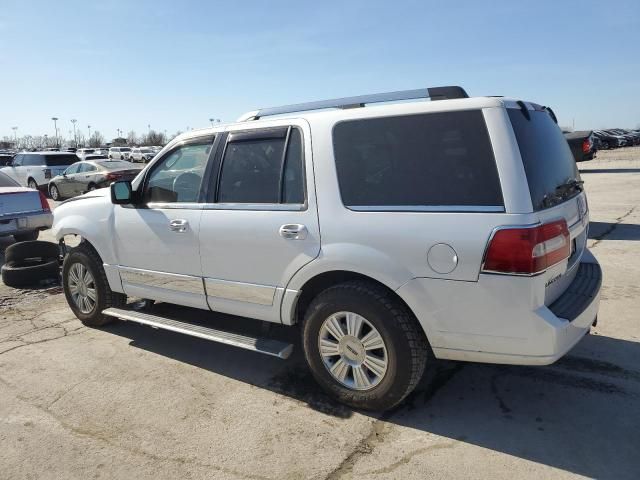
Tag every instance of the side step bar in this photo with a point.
(267, 346)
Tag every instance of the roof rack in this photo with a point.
(434, 93)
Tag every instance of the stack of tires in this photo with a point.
(27, 263)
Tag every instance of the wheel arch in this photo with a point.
(294, 310)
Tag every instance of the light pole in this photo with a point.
(217, 120)
(75, 137)
(89, 141)
(118, 130)
(149, 127)
(55, 125)
(15, 135)
(46, 142)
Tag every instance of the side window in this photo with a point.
(72, 169)
(18, 160)
(86, 168)
(256, 170)
(178, 176)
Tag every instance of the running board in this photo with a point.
(267, 346)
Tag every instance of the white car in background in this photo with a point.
(119, 153)
(83, 152)
(142, 154)
(36, 169)
(23, 211)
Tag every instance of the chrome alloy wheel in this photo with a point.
(353, 351)
(82, 287)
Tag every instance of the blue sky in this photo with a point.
(126, 64)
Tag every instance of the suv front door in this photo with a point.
(156, 240)
(260, 223)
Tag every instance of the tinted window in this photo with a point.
(255, 170)
(18, 160)
(251, 171)
(178, 176)
(36, 160)
(436, 159)
(6, 181)
(293, 184)
(59, 160)
(546, 156)
(116, 165)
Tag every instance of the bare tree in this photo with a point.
(96, 139)
(154, 138)
(131, 138)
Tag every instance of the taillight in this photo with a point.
(586, 145)
(113, 176)
(44, 203)
(527, 250)
(47, 173)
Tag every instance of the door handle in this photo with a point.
(178, 225)
(293, 231)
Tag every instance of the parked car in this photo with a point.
(119, 153)
(23, 211)
(582, 145)
(86, 176)
(607, 141)
(83, 152)
(455, 228)
(142, 154)
(35, 169)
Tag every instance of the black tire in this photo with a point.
(106, 298)
(91, 187)
(406, 344)
(29, 272)
(54, 196)
(26, 237)
(31, 183)
(33, 249)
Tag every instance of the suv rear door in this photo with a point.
(260, 223)
(551, 170)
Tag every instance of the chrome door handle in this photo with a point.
(178, 225)
(293, 231)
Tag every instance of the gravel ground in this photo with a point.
(131, 402)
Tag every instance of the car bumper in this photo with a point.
(492, 320)
(22, 223)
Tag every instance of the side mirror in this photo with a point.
(121, 192)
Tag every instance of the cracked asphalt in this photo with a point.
(128, 401)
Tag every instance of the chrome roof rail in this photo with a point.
(434, 93)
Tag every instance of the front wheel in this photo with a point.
(86, 287)
(54, 193)
(363, 345)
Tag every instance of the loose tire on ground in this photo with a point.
(26, 237)
(87, 258)
(406, 346)
(33, 249)
(29, 272)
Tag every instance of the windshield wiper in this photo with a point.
(569, 185)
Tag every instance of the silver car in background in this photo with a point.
(23, 211)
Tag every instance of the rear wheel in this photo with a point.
(31, 183)
(92, 187)
(363, 345)
(86, 287)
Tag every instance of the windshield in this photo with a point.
(146, 150)
(546, 156)
(125, 149)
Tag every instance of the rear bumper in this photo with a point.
(492, 320)
(22, 223)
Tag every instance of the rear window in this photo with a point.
(546, 156)
(429, 160)
(115, 164)
(125, 149)
(60, 160)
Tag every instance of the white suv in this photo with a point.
(36, 169)
(119, 153)
(390, 234)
